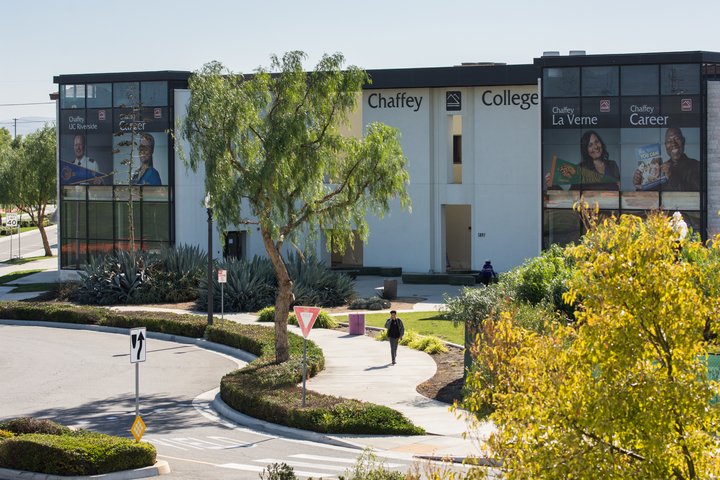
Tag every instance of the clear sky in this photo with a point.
(42, 38)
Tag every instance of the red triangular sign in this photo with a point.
(306, 318)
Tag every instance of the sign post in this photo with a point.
(222, 280)
(11, 221)
(306, 317)
(138, 349)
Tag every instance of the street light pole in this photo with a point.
(210, 294)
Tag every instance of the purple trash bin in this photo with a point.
(356, 323)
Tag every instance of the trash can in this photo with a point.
(390, 289)
(356, 323)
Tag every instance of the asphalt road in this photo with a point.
(30, 242)
(85, 379)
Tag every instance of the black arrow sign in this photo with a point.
(140, 339)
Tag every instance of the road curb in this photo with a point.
(161, 467)
(233, 415)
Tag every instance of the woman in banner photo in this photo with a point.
(146, 174)
(596, 171)
(596, 160)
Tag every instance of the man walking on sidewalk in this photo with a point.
(395, 332)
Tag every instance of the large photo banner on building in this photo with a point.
(140, 147)
(86, 147)
(639, 146)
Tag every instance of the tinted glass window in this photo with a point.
(639, 80)
(679, 79)
(154, 94)
(99, 95)
(561, 82)
(599, 81)
(72, 96)
(126, 94)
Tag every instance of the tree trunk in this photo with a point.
(43, 235)
(283, 300)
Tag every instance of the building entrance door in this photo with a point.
(457, 237)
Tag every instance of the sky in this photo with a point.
(42, 39)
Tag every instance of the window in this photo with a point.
(679, 79)
(599, 81)
(639, 80)
(154, 94)
(561, 82)
(72, 96)
(99, 95)
(126, 94)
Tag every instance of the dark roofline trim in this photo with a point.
(168, 75)
(627, 59)
(454, 77)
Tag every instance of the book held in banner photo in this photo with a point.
(649, 165)
(563, 172)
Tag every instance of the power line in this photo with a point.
(24, 104)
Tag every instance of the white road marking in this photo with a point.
(254, 468)
(268, 461)
(322, 458)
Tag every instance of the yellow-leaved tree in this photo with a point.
(624, 391)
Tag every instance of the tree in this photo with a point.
(274, 141)
(5, 137)
(28, 177)
(623, 392)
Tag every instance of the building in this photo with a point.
(495, 157)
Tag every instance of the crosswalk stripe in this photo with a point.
(255, 468)
(268, 461)
(306, 456)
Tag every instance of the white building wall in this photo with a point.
(190, 214)
(403, 239)
(507, 177)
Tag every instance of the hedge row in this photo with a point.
(263, 389)
(47, 447)
(268, 390)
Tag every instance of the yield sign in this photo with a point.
(306, 318)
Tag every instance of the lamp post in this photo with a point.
(210, 298)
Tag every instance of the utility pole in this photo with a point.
(15, 128)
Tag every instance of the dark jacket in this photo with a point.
(401, 328)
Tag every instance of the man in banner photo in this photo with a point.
(82, 169)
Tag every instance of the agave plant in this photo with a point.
(114, 278)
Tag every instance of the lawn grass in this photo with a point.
(33, 287)
(11, 277)
(21, 261)
(425, 323)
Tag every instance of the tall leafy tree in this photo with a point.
(5, 137)
(624, 392)
(274, 155)
(28, 177)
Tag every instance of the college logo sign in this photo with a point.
(453, 101)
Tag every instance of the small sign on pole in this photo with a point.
(138, 347)
(138, 428)
(222, 280)
(306, 317)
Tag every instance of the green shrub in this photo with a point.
(114, 278)
(185, 325)
(27, 425)
(370, 303)
(323, 320)
(250, 286)
(369, 467)
(55, 312)
(267, 314)
(425, 343)
(79, 453)
(278, 471)
(315, 284)
(6, 434)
